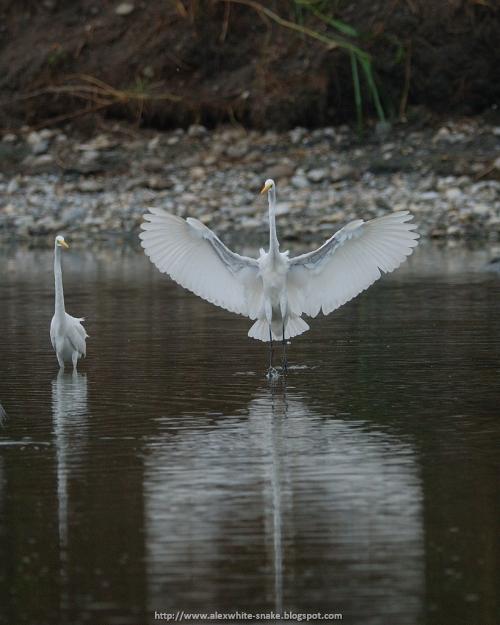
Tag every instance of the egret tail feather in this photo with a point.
(294, 327)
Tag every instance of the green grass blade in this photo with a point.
(342, 27)
(367, 69)
(357, 90)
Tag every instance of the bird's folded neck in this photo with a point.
(59, 303)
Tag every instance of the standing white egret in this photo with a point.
(66, 332)
(275, 290)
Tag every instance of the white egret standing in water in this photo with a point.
(66, 332)
(275, 290)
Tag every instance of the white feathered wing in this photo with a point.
(325, 279)
(193, 256)
(72, 329)
(76, 334)
(349, 262)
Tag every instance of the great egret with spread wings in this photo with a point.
(66, 332)
(274, 290)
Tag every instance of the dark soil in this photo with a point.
(174, 63)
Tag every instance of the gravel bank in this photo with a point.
(448, 176)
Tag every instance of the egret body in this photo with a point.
(275, 290)
(67, 333)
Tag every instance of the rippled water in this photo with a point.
(169, 475)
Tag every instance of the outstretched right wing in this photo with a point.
(193, 256)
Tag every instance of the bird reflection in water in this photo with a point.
(69, 413)
(3, 415)
(277, 480)
(340, 500)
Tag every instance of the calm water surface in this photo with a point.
(169, 475)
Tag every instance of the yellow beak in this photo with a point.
(265, 188)
(64, 244)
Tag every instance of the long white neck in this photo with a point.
(59, 305)
(274, 246)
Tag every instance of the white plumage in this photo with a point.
(67, 333)
(275, 290)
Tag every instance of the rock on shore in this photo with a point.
(447, 176)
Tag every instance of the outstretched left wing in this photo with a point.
(349, 262)
(193, 256)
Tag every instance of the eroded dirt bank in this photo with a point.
(168, 64)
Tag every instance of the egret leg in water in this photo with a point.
(270, 349)
(275, 373)
(284, 363)
(321, 280)
(272, 372)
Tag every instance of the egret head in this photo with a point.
(268, 185)
(60, 242)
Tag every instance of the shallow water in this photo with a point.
(168, 474)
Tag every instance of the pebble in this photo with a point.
(89, 156)
(283, 208)
(33, 137)
(453, 195)
(124, 8)
(43, 159)
(40, 147)
(154, 143)
(196, 130)
(281, 170)
(317, 175)
(159, 183)
(237, 151)
(13, 186)
(47, 133)
(197, 173)
(297, 135)
(483, 210)
(92, 185)
(341, 172)
(38, 141)
(100, 142)
(300, 182)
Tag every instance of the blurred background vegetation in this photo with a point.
(274, 64)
